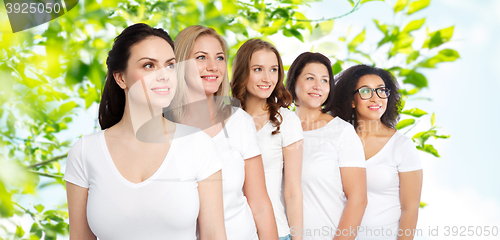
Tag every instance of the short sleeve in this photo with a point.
(210, 162)
(351, 153)
(411, 158)
(291, 129)
(75, 171)
(250, 145)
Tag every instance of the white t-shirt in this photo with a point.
(239, 145)
(326, 150)
(272, 156)
(382, 172)
(165, 206)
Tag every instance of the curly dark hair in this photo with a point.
(345, 85)
(298, 66)
(280, 97)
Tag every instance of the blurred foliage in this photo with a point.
(47, 77)
(397, 52)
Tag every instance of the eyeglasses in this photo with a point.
(366, 93)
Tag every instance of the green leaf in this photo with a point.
(422, 204)
(433, 119)
(415, 112)
(65, 109)
(360, 38)
(11, 120)
(327, 48)
(365, 1)
(351, 2)
(435, 39)
(326, 26)
(402, 45)
(336, 68)
(293, 32)
(418, 5)
(416, 79)
(400, 5)
(413, 25)
(428, 148)
(381, 27)
(280, 12)
(445, 55)
(412, 57)
(56, 215)
(19, 231)
(405, 123)
(39, 208)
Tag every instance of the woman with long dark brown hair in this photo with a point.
(122, 187)
(258, 84)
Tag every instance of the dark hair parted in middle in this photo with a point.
(345, 86)
(298, 66)
(280, 97)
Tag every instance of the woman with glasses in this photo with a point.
(333, 169)
(368, 98)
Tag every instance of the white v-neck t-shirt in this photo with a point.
(165, 206)
(272, 157)
(239, 145)
(382, 214)
(326, 150)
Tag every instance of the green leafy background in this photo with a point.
(51, 77)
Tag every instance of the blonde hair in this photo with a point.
(184, 43)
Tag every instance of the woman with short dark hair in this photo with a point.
(333, 169)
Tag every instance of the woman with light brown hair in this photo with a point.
(258, 84)
(202, 55)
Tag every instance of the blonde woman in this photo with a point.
(248, 212)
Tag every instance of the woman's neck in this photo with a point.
(367, 127)
(134, 117)
(200, 110)
(308, 115)
(256, 106)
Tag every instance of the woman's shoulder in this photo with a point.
(403, 142)
(92, 138)
(287, 114)
(240, 116)
(191, 134)
(340, 124)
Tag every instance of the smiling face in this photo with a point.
(150, 73)
(312, 86)
(373, 108)
(263, 76)
(210, 68)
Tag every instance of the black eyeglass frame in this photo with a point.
(388, 91)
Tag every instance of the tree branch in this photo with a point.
(47, 161)
(46, 174)
(355, 8)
